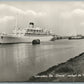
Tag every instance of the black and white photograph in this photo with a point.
(41, 41)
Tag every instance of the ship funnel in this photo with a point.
(31, 25)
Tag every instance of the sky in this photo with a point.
(60, 17)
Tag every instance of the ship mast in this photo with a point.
(16, 22)
(15, 27)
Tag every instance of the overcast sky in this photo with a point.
(61, 17)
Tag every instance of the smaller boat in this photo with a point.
(76, 37)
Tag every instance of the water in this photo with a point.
(18, 62)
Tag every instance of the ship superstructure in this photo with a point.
(26, 35)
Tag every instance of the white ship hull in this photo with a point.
(24, 39)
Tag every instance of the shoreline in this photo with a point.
(70, 71)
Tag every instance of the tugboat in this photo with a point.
(26, 35)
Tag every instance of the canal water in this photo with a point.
(18, 62)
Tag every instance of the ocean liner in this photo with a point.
(26, 35)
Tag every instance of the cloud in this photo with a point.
(35, 14)
(66, 15)
(79, 12)
(9, 8)
(6, 18)
(82, 24)
(14, 10)
(30, 12)
(76, 12)
(9, 12)
(42, 14)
